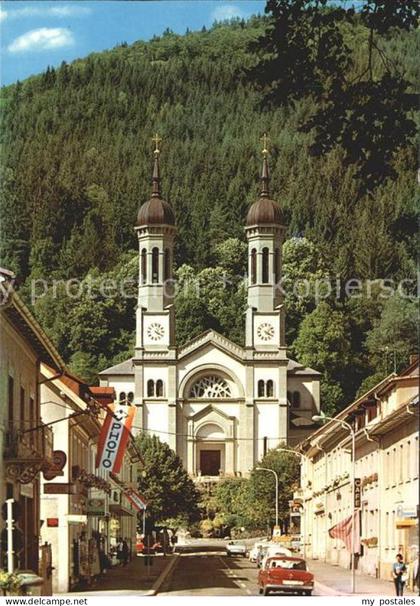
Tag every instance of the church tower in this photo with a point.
(156, 230)
(265, 233)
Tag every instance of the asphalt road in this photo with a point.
(204, 570)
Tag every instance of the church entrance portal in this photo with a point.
(210, 462)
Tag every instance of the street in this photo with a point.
(204, 569)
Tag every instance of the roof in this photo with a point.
(295, 368)
(155, 212)
(26, 324)
(392, 379)
(264, 212)
(217, 340)
(123, 368)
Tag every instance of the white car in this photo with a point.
(255, 549)
(235, 548)
(273, 551)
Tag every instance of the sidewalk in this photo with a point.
(334, 580)
(133, 579)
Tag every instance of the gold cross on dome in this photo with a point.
(265, 139)
(156, 140)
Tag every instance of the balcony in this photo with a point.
(27, 452)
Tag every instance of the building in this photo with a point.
(385, 421)
(83, 510)
(218, 404)
(26, 444)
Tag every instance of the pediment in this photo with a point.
(211, 415)
(210, 410)
(213, 339)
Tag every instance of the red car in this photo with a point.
(285, 574)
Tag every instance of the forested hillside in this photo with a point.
(76, 165)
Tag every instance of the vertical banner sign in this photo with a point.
(114, 436)
(135, 498)
(357, 493)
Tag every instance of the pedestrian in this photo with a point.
(120, 548)
(125, 552)
(399, 574)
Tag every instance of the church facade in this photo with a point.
(218, 405)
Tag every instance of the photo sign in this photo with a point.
(114, 436)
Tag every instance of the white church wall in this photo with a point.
(155, 373)
(120, 384)
(267, 423)
(156, 420)
(307, 389)
(265, 374)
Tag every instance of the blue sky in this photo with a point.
(37, 34)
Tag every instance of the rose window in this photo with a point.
(210, 387)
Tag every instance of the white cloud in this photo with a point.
(226, 11)
(3, 14)
(44, 38)
(66, 10)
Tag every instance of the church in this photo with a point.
(219, 405)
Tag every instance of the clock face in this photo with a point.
(265, 331)
(155, 331)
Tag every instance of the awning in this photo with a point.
(118, 510)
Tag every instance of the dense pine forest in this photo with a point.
(76, 166)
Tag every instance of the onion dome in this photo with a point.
(156, 211)
(264, 211)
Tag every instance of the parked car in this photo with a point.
(286, 574)
(253, 553)
(271, 551)
(234, 548)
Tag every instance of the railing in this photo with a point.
(24, 443)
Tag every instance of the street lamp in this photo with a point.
(321, 418)
(301, 457)
(277, 490)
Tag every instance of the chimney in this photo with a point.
(414, 357)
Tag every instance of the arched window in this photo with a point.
(277, 264)
(210, 386)
(159, 388)
(265, 265)
(167, 264)
(296, 399)
(261, 390)
(122, 397)
(155, 265)
(143, 266)
(253, 266)
(270, 388)
(150, 388)
(130, 397)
